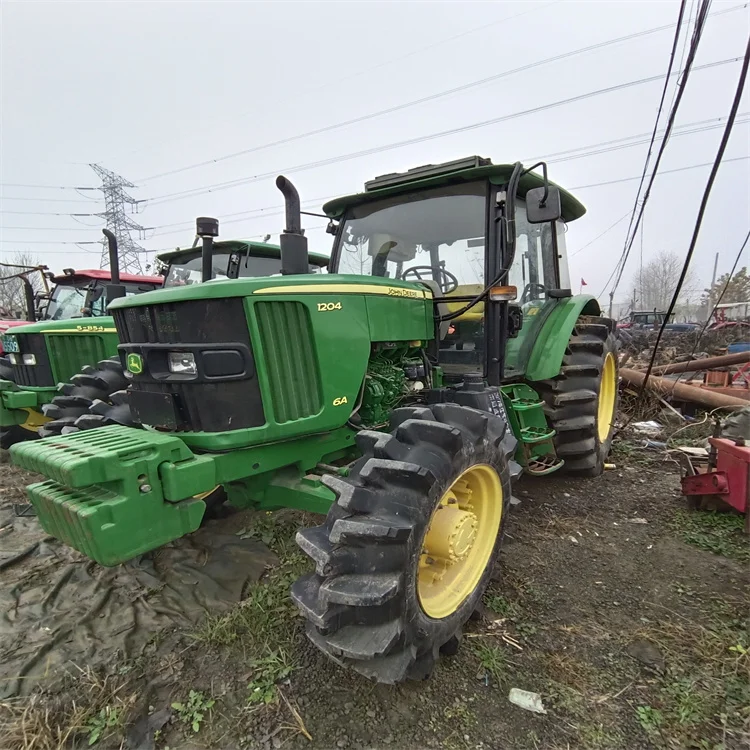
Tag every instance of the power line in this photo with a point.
(663, 171)
(702, 209)
(422, 100)
(382, 64)
(46, 200)
(700, 21)
(46, 187)
(168, 197)
(667, 78)
(599, 236)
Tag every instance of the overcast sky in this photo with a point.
(144, 88)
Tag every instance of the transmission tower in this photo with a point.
(115, 200)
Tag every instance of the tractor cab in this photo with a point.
(81, 294)
(496, 269)
(231, 259)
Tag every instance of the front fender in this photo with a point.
(547, 354)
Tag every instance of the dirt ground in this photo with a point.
(627, 613)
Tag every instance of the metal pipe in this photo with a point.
(681, 391)
(114, 260)
(291, 205)
(697, 365)
(293, 243)
(207, 228)
(28, 293)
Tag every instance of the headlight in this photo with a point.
(15, 359)
(182, 363)
(28, 359)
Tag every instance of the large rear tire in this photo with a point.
(581, 402)
(407, 551)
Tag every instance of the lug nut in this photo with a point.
(144, 488)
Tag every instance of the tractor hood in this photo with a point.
(99, 324)
(286, 285)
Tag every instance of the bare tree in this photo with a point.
(655, 283)
(12, 297)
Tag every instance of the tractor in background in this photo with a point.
(64, 366)
(399, 395)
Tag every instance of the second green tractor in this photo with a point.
(399, 395)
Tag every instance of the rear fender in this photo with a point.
(549, 348)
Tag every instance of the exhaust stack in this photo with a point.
(115, 289)
(293, 242)
(207, 228)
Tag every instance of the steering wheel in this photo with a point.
(445, 279)
(529, 289)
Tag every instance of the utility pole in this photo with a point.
(713, 275)
(129, 251)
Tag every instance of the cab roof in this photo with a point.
(261, 249)
(104, 275)
(450, 173)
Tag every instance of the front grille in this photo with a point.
(201, 406)
(294, 379)
(38, 375)
(70, 353)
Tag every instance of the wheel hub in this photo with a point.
(452, 534)
(459, 541)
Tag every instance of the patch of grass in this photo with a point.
(650, 719)
(492, 659)
(502, 606)
(193, 711)
(703, 700)
(103, 723)
(268, 671)
(720, 533)
(87, 708)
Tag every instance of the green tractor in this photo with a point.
(399, 395)
(64, 366)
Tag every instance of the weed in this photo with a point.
(88, 705)
(502, 606)
(720, 533)
(268, 671)
(703, 699)
(492, 659)
(193, 711)
(100, 724)
(651, 719)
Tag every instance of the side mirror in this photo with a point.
(543, 204)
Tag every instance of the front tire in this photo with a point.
(92, 388)
(407, 550)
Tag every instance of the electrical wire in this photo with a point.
(667, 78)
(700, 22)
(179, 195)
(701, 211)
(422, 100)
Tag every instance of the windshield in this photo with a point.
(422, 235)
(67, 302)
(187, 270)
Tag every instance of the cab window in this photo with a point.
(436, 235)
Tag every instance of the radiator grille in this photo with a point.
(69, 353)
(286, 335)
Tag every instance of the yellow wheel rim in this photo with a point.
(34, 420)
(459, 541)
(607, 397)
